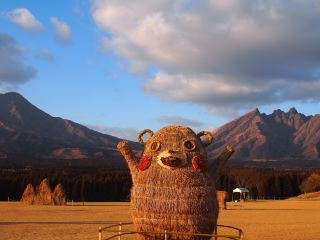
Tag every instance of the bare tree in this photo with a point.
(311, 183)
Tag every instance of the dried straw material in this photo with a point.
(179, 202)
(175, 192)
(222, 199)
(28, 195)
(59, 197)
(43, 194)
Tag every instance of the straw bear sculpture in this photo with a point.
(173, 186)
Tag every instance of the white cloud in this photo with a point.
(46, 55)
(24, 19)
(226, 55)
(177, 120)
(123, 133)
(4, 88)
(62, 30)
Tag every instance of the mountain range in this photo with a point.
(29, 134)
(279, 136)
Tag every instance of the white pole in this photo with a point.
(72, 203)
(120, 230)
(100, 234)
(165, 235)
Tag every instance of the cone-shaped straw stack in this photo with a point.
(59, 197)
(28, 195)
(43, 194)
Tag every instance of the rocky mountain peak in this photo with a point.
(279, 135)
(254, 111)
(293, 111)
(292, 118)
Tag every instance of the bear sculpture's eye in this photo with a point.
(155, 146)
(189, 145)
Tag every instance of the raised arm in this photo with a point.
(129, 156)
(220, 161)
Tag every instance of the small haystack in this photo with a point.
(59, 197)
(28, 195)
(222, 199)
(43, 194)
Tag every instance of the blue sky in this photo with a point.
(122, 66)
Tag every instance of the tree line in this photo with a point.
(266, 183)
(100, 185)
(103, 185)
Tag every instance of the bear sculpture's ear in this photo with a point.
(208, 136)
(143, 132)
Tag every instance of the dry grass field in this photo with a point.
(286, 219)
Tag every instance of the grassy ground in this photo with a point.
(294, 220)
(290, 219)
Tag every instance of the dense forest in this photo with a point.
(99, 184)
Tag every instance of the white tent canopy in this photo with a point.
(241, 190)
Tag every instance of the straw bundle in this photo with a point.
(28, 195)
(222, 199)
(173, 189)
(43, 194)
(179, 202)
(59, 197)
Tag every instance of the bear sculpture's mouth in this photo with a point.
(172, 160)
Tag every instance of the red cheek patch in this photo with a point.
(144, 163)
(198, 164)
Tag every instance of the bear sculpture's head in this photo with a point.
(174, 147)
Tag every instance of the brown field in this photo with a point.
(286, 219)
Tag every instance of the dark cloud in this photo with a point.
(12, 68)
